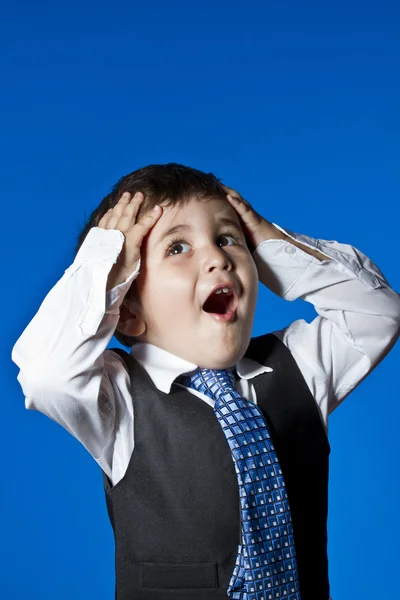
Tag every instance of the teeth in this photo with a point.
(224, 290)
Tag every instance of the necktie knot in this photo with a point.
(211, 382)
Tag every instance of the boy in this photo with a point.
(213, 447)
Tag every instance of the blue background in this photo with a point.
(294, 104)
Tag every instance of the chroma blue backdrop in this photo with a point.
(296, 105)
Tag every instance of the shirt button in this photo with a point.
(290, 250)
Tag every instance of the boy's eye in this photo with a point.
(226, 237)
(176, 246)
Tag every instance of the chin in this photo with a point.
(223, 360)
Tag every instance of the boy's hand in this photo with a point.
(123, 218)
(255, 227)
(258, 230)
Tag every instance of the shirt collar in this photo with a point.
(163, 367)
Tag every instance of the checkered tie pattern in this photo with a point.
(266, 567)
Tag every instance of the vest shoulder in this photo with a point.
(267, 346)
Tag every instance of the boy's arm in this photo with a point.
(60, 354)
(65, 371)
(358, 312)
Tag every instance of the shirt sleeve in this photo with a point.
(65, 371)
(358, 318)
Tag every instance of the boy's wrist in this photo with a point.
(118, 276)
(268, 231)
(115, 278)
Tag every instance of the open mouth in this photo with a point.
(221, 301)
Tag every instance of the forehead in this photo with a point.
(196, 214)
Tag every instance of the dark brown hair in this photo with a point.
(171, 185)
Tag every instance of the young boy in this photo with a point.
(213, 445)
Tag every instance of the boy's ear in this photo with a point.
(130, 321)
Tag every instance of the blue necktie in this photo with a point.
(266, 567)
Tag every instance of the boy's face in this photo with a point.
(175, 281)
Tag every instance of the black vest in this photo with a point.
(176, 515)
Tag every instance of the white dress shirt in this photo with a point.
(67, 372)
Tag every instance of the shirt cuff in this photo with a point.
(115, 296)
(344, 257)
(280, 265)
(100, 245)
(100, 250)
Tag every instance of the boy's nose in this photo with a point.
(216, 259)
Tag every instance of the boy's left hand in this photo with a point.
(255, 227)
(258, 230)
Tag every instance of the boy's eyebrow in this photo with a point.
(187, 228)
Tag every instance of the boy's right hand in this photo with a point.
(123, 218)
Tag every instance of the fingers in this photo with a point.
(122, 216)
(239, 204)
(229, 190)
(135, 236)
(233, 196)
(248, 215)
